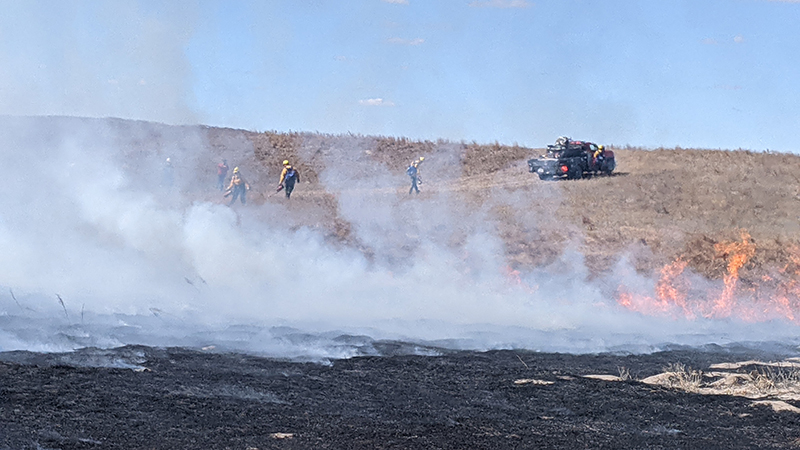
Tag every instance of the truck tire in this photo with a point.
(609, 167)
(575, 174)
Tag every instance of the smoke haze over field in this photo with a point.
(88, 218)
(97, 59)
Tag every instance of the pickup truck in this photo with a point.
(573, 160)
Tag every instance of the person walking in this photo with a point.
(289, 176)
(222, 173)
(413, 172)
(238, 187)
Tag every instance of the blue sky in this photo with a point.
(699, 73)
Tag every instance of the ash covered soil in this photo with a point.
(179, 398)
(663, 205)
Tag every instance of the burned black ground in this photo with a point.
(181, 399)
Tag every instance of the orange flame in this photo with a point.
(669, 290)
(737, 254)
(772, 297)
(669, 293)
(513, 275)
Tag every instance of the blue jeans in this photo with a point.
(413, 185)
(239, 191)
(288, 187)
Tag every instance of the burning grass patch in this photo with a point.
(728, 280)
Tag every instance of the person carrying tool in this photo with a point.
(222, 173)
(289, 176)
(413, 172)
(238, 187)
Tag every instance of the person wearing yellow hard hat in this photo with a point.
(413, 172)
(238, 187)
(597, 156)
(289, 176)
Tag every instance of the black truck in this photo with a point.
(573, 160)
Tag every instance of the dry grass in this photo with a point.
(770, 381)
(679, 201)
(678, 376)
(662, 204)
(755, 380)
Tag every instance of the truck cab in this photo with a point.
(572, 160)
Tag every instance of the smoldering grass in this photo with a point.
(160, 313)
(195, 283)
(24, 308)
(60, 300)
(15, 299)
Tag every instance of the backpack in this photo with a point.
(411, 171)
(290, 174)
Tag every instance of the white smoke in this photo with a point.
(86, 218)
(104, 59)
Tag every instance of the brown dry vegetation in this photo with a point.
(661, 204)
(777, 381)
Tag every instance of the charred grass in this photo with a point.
(498, 399)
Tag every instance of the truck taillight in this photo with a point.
(564, 169)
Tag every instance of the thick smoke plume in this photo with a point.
(100, 248)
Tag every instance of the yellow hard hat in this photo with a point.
(600, 147)
(235, 170)
(285, 162)
(422, 158)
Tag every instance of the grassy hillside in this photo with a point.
(661, 205)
